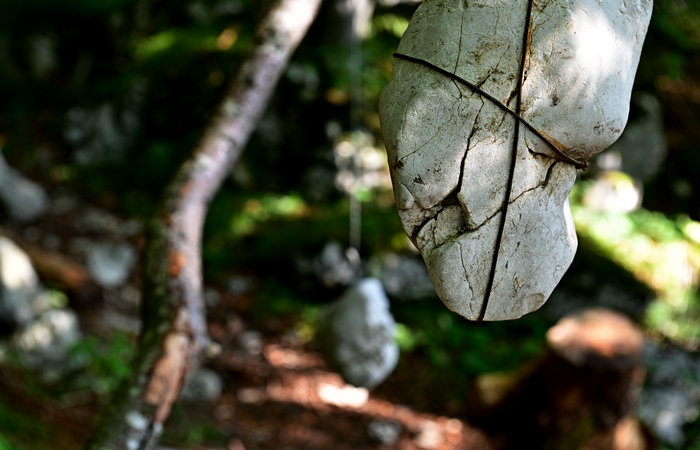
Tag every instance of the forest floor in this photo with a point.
(278, 393)
(286, 397)
(280, 397)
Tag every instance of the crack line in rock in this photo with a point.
(561, 155)
(473, 131)
(430, 139)
(426, 221)
(498, 211)
(464, 267)
(513, 161)
(547, 176)
(459, 49)
(454, 192)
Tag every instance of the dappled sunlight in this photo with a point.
(15, 268)
(580, 75)
(295, 12)
(597, 46)
(258, 210)
(659, 253)
(346, 395)
(227, 38)
(310, 405)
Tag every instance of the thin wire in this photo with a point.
(355, 208)
(563, 156)
(513, 160)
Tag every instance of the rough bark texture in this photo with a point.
(491, 104)
(174, 329)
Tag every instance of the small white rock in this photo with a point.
(19, 284)
(613, 191)
(356, 334)
(45, 343)
(386, 432)
(110, 263)
(203, 385)
(24, 199)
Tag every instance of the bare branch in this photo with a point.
(174, 334)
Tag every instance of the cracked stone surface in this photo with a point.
(450, 148)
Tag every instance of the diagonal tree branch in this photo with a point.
(174, 335)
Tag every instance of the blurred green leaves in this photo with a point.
(18, 428)
(659, 251)
(105, 364)
(452, 343)
(391, 23)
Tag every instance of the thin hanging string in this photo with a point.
(556, 147)
(355, 208)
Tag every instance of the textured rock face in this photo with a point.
(491, 218)
(356, 334)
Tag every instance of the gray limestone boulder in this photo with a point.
(483, 195)
(46, 342)
(641, 150)
(23, 199)
(405, 277)
(356, 334)
(43, 333)
(19, 285)
(615, 192)
(670, 400)
(204, 385)
(110, 263)
(385, 432)
(335, 266)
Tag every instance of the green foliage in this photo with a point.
(679, 22)
(181, 430)
(659, 251)
(104, 364)
(278, 299)
(268, 229)
(19, 430)
(673, 40)
(395, 25)
(458, 346)
(13, 9)
(692, 435)
(5, 445)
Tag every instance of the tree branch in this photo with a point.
(174, 331)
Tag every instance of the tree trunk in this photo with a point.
(581, 395)
(174, 334)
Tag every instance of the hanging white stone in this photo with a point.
(481, 193)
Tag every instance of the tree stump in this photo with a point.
(580, 395)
